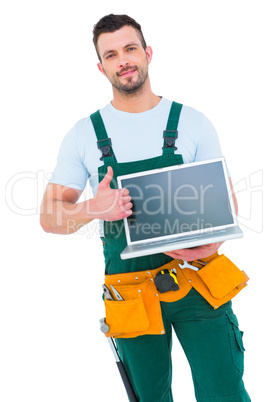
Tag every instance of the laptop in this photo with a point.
(177, 207)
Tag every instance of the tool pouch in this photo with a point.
(139, 313)
(218, 281)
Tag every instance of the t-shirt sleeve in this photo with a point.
(208, 146)
(70, 170)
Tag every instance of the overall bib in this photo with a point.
(209, 337)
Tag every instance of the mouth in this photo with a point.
(127, 73)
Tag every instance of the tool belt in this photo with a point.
(139, 310)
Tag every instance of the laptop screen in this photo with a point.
(187, 198)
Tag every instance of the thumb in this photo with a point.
(108, 177)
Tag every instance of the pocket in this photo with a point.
(138, 314)
(221, 276)
(236, 341)
(126, 316)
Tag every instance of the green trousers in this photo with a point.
(212, 342)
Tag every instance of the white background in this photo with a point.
(208, 54)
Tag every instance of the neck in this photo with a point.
(140, 101)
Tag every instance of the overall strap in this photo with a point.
(171, 133)
(104, 143)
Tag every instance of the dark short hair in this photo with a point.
(111, 23)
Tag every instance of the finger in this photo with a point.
(124, 192)
(124, 206)
(128, 212)
(176, 256)
(212, 245)
(129, 205)
(107, 178)
(126, 199)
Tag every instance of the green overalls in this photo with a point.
(210, 338)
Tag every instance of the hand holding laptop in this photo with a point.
(195, 253)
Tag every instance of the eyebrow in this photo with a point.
(111, 51)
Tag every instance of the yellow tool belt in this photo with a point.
(140, 312)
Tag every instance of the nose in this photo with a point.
(123, 62)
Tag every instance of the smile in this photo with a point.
(127, 73)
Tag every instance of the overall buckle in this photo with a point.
(170, 141)
(105, 149)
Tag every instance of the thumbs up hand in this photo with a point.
(109, 204)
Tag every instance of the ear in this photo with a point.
(100, 67)
(149, 54)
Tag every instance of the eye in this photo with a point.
(110, 56)
(131, 48)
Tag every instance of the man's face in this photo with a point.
(123, 59)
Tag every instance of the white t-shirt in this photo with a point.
(135, 136)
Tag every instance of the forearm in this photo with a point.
(64, 217)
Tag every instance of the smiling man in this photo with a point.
(126, 136)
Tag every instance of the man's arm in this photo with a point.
(60, 213)
(195, 253)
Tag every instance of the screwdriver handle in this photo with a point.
(128, 386)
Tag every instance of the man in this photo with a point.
(134, 121)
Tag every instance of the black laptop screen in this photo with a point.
(178, 201)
